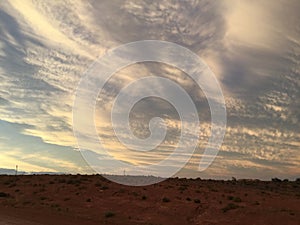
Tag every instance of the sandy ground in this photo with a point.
(93, 200)
(10, 220)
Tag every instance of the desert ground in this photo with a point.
(92, 199)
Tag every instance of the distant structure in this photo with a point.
(16, 170)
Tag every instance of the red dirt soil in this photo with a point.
(93, 200)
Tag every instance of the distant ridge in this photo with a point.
(10, 171)
(4, 171)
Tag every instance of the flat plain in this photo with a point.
(92, 199)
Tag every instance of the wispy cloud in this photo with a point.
(253, 47)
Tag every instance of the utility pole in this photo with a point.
(16, 170)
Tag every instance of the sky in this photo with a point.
(252, 47)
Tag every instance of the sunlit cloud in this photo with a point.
(252, 47)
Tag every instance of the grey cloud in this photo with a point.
(39, 76)
(3, 101)
(194, 24)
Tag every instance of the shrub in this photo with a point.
(42, 190)
(135, 194)
(55, 205)
(12, 185)
(98, 184)
(62, 180)
(165, 199)
(188, 199)
(230, 206)
(182, 188)
(122, 190)
(197, 201)
(4, 195)
(27, 203)
(237, 199)
(230, 197)
(109, 214)
(144, 197)
(276, 179)
(74, 182)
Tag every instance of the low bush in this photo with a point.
(4, 195)
(237, 199)
(197, 201)
(109, 214)
(165, 199)
(230, 206)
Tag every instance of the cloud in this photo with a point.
(253, 48)
(32, 154)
